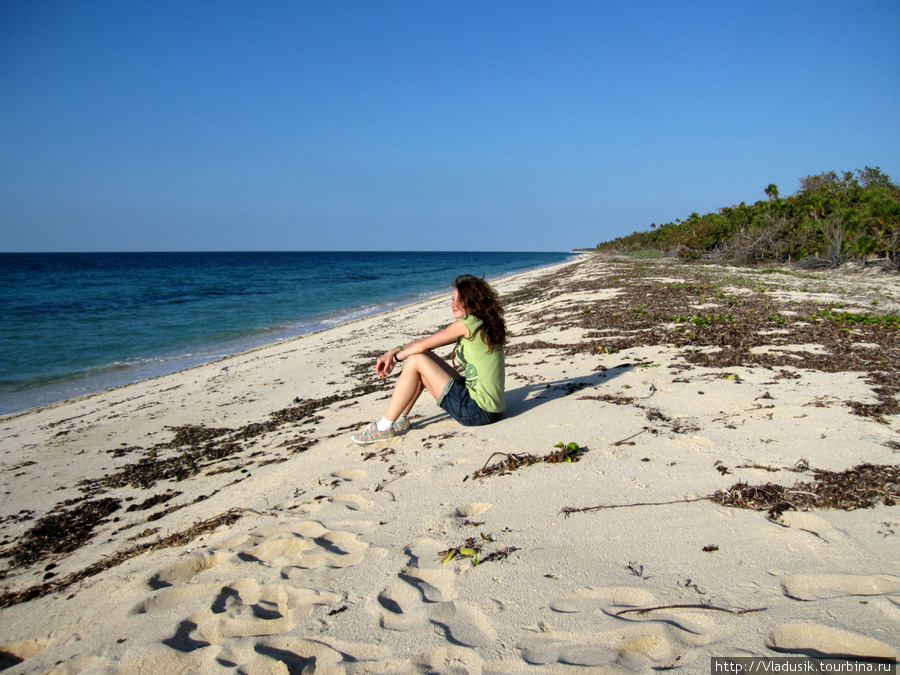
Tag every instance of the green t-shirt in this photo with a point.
(485, 370)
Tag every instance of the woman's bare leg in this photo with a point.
(420, 372)
(409, 407)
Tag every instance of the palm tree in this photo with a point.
(772, 192)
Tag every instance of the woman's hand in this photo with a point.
(385, 363)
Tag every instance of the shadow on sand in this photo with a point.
(524, 399)
(527, 398)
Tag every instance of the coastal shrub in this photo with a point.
(830, 219)
(645, 254)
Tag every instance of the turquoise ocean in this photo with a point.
(77, 323)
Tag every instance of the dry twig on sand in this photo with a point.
(643, 610)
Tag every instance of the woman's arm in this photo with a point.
(386, 362)
(447, 336)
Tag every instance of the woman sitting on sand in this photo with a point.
(473, 400)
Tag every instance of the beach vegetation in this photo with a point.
(831, 219)
(703, 319)
(472, 550)
(568, 452)
(866, 319)
(647, 253)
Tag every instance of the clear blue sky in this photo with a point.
(424, 125)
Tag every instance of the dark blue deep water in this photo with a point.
(74, 323)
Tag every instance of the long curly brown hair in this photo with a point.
(482, 301)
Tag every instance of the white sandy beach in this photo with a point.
(333, 561)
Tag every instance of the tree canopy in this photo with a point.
(829, 220)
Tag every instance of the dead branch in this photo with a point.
(569, 509)
(643, 610)
(625, 440)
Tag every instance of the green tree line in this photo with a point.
(829, 220)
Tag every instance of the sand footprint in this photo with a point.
(656, 646)
(276, 551)
(405, 610)
(425, 572)
(825, 642)
(464, 624)
(14, 653)
(424, 593)
(168, 597)
(815, 525)
(609, 599)
(640, 647)
(185, 570)
(658, 640)
(423, 581)
(473, 509)
(350, 474)
(274, 547)
(301, 656)
(823, 586)
(614, 599)
(451, 659)
(244, 608)
(351, 501)
(330, 549)
(567, 649)
(248, 607)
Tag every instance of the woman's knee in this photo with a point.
(418, 361)
(413, 361)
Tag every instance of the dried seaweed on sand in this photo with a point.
(60, 532)
(566, 453)
(862, 487)
(177, 539)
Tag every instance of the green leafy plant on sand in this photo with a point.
(704, 319)
(570, 451)
(471, 549)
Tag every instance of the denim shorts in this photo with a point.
(455, 400)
